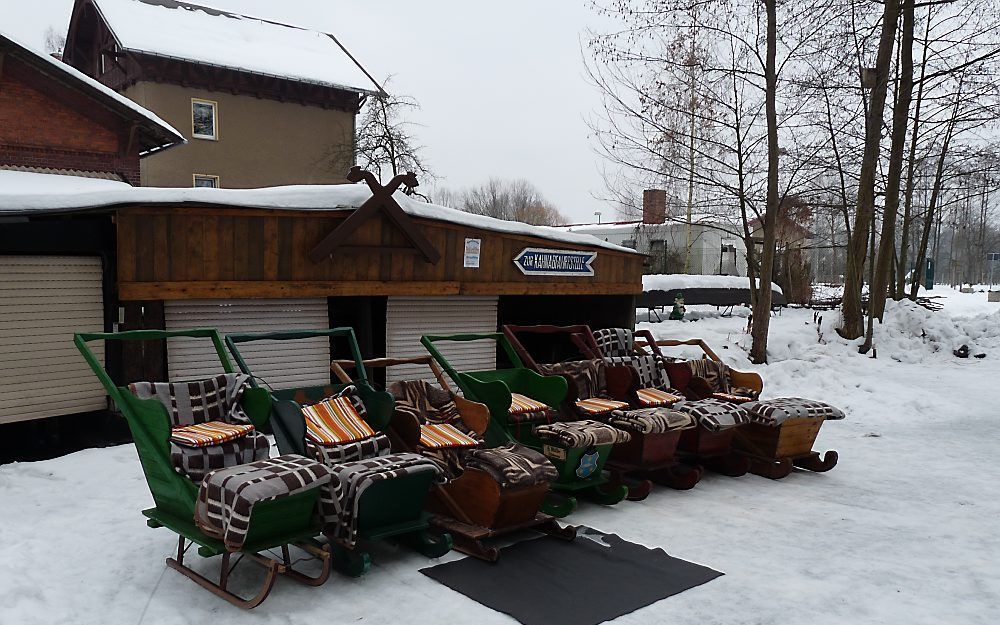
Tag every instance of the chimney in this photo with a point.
(654, 206)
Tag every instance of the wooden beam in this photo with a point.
(2, 54)
(550, 288)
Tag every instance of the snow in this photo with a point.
(31, 193)
(204, 35)
(680, 281)
(902, 531)
(78, 76)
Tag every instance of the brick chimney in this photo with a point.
(654, 206)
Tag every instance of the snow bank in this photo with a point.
(235, 41)
(680, 281)
(910, 332)
(31, 193)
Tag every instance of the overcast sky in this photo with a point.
(501, 84)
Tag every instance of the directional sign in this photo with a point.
(535, 261)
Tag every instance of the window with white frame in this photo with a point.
(206, 181)
(204, 119)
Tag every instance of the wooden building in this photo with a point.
(261, 103)
(327, 255)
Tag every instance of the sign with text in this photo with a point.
(535, 261)
(472, 248)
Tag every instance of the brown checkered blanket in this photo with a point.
(512, 465)
(715, 414)
(227, 497)
(651, 420)
(777, 411)
(583, 433)
(330, 455)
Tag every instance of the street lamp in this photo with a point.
(598, 213)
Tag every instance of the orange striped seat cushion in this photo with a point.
(596, 405)
(444, 436)
(655, 397)
(521, 404)
(208, 433)
(335, 421)
(736, 399)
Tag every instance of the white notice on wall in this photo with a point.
(472, 247)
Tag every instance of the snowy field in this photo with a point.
(906, 529)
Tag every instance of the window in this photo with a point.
(206, 181)
(204, 120)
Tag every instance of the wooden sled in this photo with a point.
(473, 507)
(273, 524)
(388, 509)
(494, 388)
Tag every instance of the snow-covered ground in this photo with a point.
(904, 530)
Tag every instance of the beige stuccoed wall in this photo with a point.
(260, 142)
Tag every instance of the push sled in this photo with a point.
(612, 393)
(523, 409)
(489, 492)
(345, 427)
(167, 421)
(780, 433)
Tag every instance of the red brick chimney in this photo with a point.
(654, 206)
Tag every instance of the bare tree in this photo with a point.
(512, 200)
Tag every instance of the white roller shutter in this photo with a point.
(282, 364)
(409, 318)
(43, 301)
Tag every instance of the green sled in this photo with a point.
(274, 524)
(387, 509)
(494, 389)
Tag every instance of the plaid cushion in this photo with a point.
(589, 376)
(337, 420)
(188, 403)
(650, 397)
(349, 452)
(197, 462)
(426, 402)
(714, 414)
(584, 433)
(598, 406)
(651, 420)
(714, 372)
(444, 436)
(615, 342)
(512, 465)
(522, 404)
(209, 433)
(777, 411)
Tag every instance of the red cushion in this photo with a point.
(679, 374)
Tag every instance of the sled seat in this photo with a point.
(581, 434)
(715, 415)
(209, 428)
(654, 397)
(226, 497)
(774, 412)
(512, 466)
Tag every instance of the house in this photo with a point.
(717, 247)
(261, 103)
(59, 127)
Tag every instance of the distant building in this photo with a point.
(261, 103)
(716, 247)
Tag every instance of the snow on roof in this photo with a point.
(86, 81)
(24, 193)
(680, 282)
(206, 35)
(698, 219)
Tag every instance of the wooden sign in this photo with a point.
(535, 261)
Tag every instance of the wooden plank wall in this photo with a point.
(189, 253)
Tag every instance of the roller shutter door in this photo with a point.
(43, 301)
(409, 318)
(282, 364)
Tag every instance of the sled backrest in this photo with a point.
(288, 423)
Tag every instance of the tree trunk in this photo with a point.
(852, 322)
(762, 307)
(900, 119)
(929, 218)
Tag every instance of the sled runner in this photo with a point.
(781, 432)
(612, 393)
(489, 492)
(377, 494)
(197, 439)
(523, 408)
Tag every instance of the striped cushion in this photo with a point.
(444, 436)
(655, 397)
(597, 405)
(730, 397)
(335, 421)
(208, 433)
(521, 404)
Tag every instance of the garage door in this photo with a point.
(409, 318)
(43, 301)
(281, 364)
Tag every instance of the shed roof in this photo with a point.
(201, 34)
(154, 133)
(26, 194)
